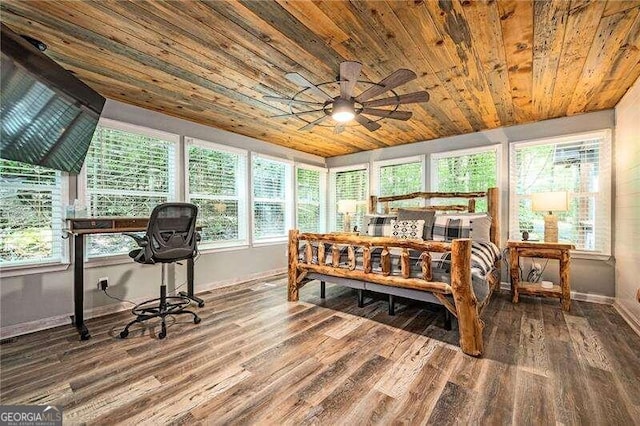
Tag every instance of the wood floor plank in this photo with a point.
(586, 343)
(257, 359)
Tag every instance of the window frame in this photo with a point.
(242, 197)
(82, 191)
(332, 206)
(604, 182)
(289, 200)
(60, 263)
(324, 173)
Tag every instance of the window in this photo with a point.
(272, 199)
(127, 172)
(30, 214)
(216, 179)
(400, 177)
(466, 170)
(580, 165)
(310, 184)
(349, 184)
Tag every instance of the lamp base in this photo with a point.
(550, 228)
(347, 222)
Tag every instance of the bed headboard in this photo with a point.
(493, 205)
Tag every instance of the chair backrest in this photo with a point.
(171, 232)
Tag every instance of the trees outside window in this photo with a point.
(465, 171)
(310, 184)
(30, 214)
(127, 172)
(579, 165)
(217, 185)
(272, 201)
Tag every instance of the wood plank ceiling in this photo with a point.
(485, 64)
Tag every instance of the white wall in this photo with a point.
(588, 275)
(33, 297)
(627, 201)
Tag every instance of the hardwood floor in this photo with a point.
(257, 359)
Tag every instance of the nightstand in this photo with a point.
(559, 251)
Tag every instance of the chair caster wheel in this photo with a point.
(124, 334)
(200, 305)
(197, 320)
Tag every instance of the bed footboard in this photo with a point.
(465, 306)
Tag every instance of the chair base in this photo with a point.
(160, 308)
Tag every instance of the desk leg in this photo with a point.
(190, 290)
(78, 287)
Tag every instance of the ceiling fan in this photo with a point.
(344, 107)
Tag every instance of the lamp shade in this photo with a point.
(347, 206)
(550, 202)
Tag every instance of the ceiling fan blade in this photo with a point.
(296, 78)
(398, 115)
(313, 123)
(289, 101)
(339, 129)
(391, 81)
(295, 114)
(371, 126)
(349, 73)
(409, 98)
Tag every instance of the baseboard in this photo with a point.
(629, 317)
(575, 295)
(65, 319)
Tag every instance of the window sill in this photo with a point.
(270, 242)
(116, 259)
(576, 254)
(32, 268)
(218, 249)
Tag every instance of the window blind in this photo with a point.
(460, 171)
(349, 185)
(582, 167)
(310, 199)
(127, 174)
(400, 179)
(217, 186)
(30, 214)
(271, 205)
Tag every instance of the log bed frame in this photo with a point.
(464, 306)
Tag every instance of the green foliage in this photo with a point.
(467, 173)
(27, 222)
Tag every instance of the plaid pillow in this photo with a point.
(448, 227)
(407, 229)
(380, 226)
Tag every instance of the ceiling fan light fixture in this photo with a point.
(343, 111)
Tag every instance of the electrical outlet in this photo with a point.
(103, 283)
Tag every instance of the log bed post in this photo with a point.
(493, 208)
(469, 322)
(292, 293)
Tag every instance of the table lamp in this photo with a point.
(347, 207)
(550, 202)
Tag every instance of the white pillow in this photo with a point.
(407, 229)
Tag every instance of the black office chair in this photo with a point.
(171, 236)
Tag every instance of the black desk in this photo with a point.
(79, 227)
